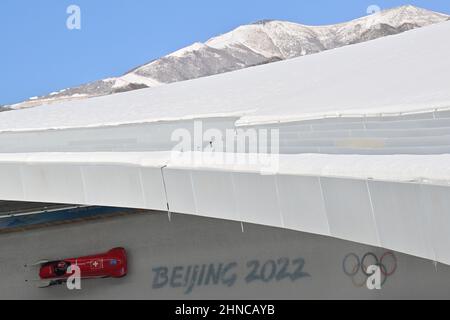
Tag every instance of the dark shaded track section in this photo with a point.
(22, 216)
(13, 207)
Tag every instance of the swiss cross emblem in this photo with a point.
(96, 264)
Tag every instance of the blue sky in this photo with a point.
(40, 55)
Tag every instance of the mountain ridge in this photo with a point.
(249, 45)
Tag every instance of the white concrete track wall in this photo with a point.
(422, 133)
(412, 218)
(128, 137)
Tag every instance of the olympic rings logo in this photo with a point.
(353, 266)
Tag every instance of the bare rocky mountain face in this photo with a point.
(4, 108)
(249, 45)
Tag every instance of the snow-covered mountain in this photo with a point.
(250, 45)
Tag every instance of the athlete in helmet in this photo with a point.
(61, 268)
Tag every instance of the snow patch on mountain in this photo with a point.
(250, 45)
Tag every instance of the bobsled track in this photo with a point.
(364, 156)
(259, 263)
(371, 196)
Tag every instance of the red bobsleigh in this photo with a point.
(112, 264)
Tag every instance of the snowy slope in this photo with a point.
(250, 45)
(403, 73)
